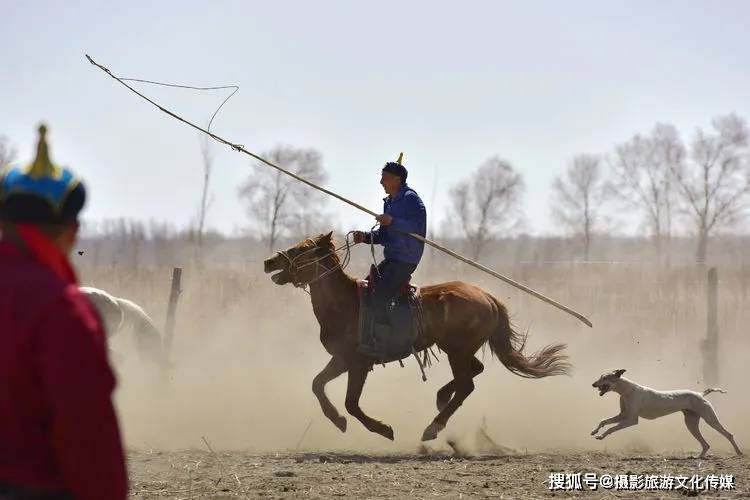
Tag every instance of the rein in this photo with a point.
(294, 269)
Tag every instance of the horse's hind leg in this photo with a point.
(463, 386)
(445, 393)
(333, 369)
(357, 376)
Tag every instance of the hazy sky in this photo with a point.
(450, 84)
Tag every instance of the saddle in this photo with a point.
(392, 341)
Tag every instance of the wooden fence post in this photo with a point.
(174, 294)
(711, 342)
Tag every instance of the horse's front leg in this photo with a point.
(333, 369)
(357, 376)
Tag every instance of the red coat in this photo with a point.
(58, 428)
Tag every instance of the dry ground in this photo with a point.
(208, 474)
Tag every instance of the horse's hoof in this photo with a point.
(386, 432)
(432, 431)
(340, 423)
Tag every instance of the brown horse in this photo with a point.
(458, 317)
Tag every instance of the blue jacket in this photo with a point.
(409, 216)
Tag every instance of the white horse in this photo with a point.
(118, 313)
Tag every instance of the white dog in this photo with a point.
(640, 401)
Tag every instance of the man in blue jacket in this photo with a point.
(403, 212)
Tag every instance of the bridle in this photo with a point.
(321, 270)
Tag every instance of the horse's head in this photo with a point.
(304, 262)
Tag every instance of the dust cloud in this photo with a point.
(245, 352)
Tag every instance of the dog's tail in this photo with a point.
(507, 345)
(713, 389)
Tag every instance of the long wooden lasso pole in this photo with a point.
(240, 148)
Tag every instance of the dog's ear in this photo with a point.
(618, 373)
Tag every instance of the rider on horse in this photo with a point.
(403, 212)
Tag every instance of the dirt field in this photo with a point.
(206, 474)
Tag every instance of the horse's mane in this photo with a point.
(330, 244)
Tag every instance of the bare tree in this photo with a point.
(714, 182)
(277, 202)
(311, 222)
(642, 171)
(205, 203)
(136, 237)
(162, 235)
(488, 202)
(578, 198)
(7, 152)
(126, 235)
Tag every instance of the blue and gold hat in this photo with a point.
(43, 193)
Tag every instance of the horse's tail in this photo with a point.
(507, 344)
(147, 336)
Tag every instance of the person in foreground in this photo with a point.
(59, 436)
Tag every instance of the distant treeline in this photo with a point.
(132, 245)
